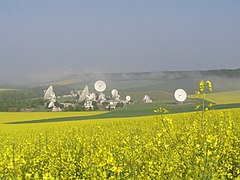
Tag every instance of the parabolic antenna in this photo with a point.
(51, 104)
(114, 92)
(84, 94)
(111, 103)
(48, 92)
(180, 95)
(128, 98)
(100, 86)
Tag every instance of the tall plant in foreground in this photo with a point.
(201, 94)
(162, 111)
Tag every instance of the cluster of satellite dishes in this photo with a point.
(100, 86)
(88, 98)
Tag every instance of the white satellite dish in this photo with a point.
(111, 103)
(51, 104)
(147, 99)
(84, 94)
(180, 95)
(92, 97)
(128, 98)
(100, 86)
(48, 92)
(114, 92)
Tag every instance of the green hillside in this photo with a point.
(229, 97)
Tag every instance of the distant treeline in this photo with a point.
(162, 75)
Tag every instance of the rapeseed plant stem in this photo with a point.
(202, 95)
(14, 162)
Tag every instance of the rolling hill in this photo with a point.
(160, 86)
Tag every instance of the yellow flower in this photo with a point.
(201, 86)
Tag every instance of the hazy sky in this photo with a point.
(56, 37)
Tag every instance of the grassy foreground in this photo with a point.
(153, 147)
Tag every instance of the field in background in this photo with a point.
(162, 90)
(229, 97)
(177, 146)
(1, 90)
(6, 117)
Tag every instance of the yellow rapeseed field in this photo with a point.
(180, 146)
